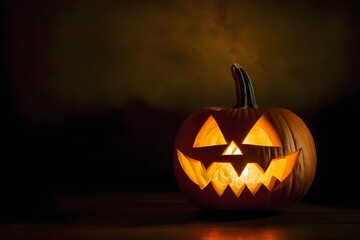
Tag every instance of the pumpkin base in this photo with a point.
(207, 199)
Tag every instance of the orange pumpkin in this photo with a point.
(245, 157)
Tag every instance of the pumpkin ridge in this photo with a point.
(205, 173)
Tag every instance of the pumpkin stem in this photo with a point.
(245, 96)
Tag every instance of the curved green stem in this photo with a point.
(245, 96)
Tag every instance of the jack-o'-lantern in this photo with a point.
(245, 157)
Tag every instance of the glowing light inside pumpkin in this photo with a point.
(232, 149)
(209, 134)
(263, 134)
(222, 174)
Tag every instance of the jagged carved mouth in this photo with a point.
(223, 174)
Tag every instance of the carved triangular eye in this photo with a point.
(263, 134)
(209, 134)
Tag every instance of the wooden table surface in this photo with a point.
(169, 216)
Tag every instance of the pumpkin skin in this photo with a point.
(213, 174)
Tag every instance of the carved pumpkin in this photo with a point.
(245, 157)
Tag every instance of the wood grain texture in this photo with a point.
(169, 216)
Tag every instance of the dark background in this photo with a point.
(93, 92)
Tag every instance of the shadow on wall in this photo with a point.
(131, 149)
(120, 150)
(338, 140)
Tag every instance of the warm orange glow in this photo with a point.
(239, 233)
(209, 134)
(232, 149)
(223, 174)
(263, 134)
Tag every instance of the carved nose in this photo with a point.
(232, 149)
